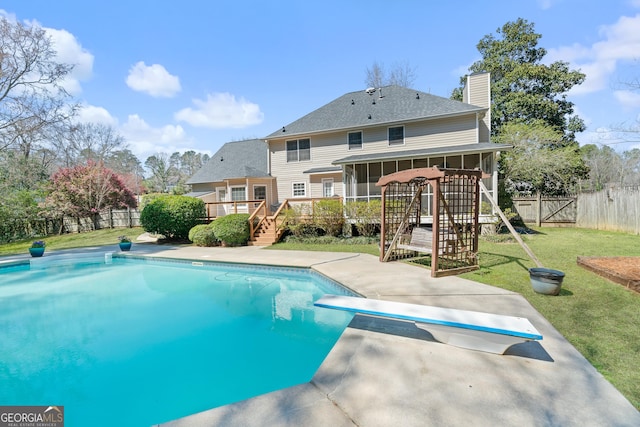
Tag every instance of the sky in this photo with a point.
(193, 75)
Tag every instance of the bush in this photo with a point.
(329, 216)
(366, 216)
(172, 216)
(204, 236)
(293, 220)
(232, 229)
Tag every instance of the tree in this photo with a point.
(402, 74)
(163, 173)
(81, 142)
(83, 191)
(526, 92)
(32, 99)
(523, 89)
(538, 162)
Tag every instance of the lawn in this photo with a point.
(75, 240)
(598, 317)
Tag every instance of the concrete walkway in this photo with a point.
(390, 373)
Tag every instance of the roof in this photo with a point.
(388, 104)
(329, 169)
(199, 193)
(238, 159)
(426, 152)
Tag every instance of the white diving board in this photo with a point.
(493, 333)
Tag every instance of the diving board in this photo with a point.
(493, 333)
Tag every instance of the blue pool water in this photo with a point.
(137, 342)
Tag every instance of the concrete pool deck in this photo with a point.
(383, 372)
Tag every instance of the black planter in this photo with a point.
(546, 281)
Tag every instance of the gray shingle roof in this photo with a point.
(426, 152)
(386, 105)
(238, 159)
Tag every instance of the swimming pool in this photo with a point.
(139, 341)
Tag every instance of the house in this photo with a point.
(238, 171)
(344, 147)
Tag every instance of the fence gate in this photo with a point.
(548, 211)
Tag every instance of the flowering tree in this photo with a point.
(83, 191)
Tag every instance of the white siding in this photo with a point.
(477, 92)
(327, 148)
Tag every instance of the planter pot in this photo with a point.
(125, 246)
(36, 252)
(546, 281)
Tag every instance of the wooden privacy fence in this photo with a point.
(109, 218)
(615, 209)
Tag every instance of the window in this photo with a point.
(238, 193)
(299, 189)
(327, 187)
(355, 140)
(396, 135)
(259, 192)
(298, 150)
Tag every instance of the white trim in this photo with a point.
(333, 189)
(293, 183)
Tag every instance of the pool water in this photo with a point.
(137, 342)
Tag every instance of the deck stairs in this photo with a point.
(267, 233)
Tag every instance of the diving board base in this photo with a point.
(470, 339)
(493, 333)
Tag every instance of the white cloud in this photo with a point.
(145, 140)
(620, 43)
(545, 4)
(68, 51)
(92, 114)
(221, 110)
(154, 80)
(628, 98)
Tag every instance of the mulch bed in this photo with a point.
(624, 270)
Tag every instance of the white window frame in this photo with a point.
(297, 150)
(349, 147)
(293, 189)
(235, 187)
(394, 144)
(328, 181)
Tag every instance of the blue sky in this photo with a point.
(181, 75)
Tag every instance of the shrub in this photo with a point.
(204, 236)
(172, 216)
(329, 216)
(366, 216)
(232, 229)
(196, 229)
(293, 219)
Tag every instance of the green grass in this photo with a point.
(75, 240)
(598, 317)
